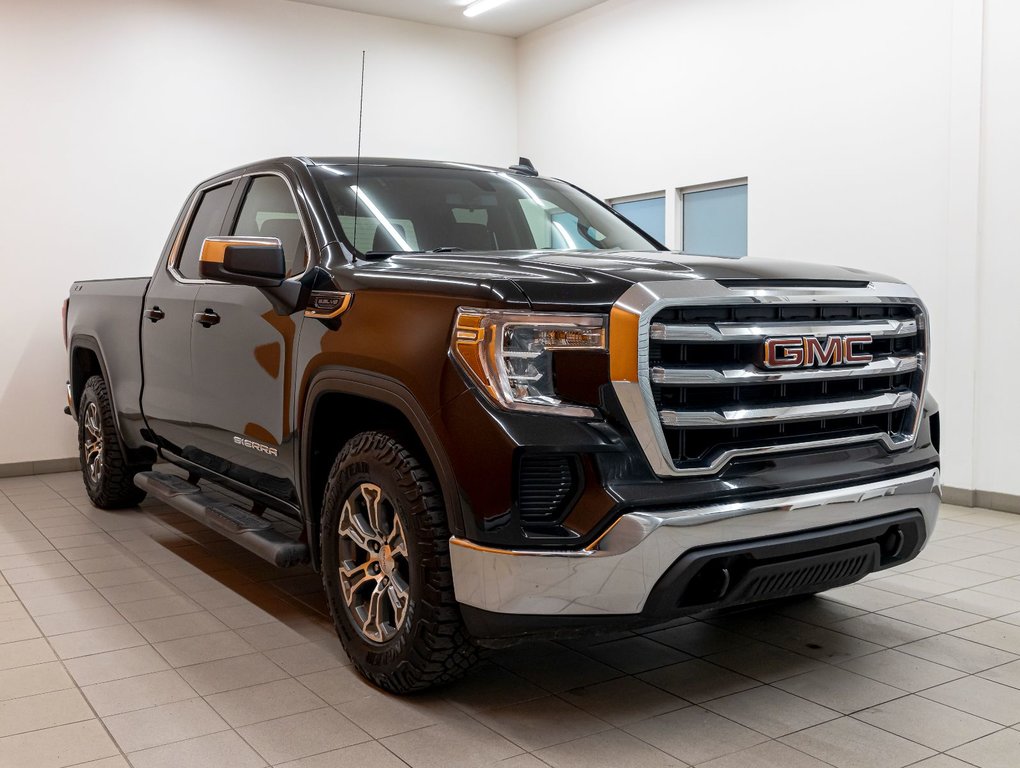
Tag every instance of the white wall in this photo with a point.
(111, 111)
(997, 423)
(858, 124)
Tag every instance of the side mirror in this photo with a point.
(255, 261)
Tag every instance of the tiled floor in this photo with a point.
(141, 638)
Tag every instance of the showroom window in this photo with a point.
(648, 213)
(713, 219)
(269, 211)
(207, 222)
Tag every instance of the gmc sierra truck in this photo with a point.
(484, 406)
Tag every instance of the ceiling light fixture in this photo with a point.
(481, 6)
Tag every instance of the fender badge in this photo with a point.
(325, 305)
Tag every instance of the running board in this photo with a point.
(252, 532)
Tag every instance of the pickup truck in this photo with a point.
(485, 407)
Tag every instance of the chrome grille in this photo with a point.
(703, 395)
(712, 393)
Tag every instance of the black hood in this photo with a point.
(597, 278)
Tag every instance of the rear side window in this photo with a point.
(207, 222)
(268, 211)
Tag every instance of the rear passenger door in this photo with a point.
(168, 314)
(242, 386)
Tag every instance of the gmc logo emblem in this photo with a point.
(810, 351)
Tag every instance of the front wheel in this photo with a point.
(109, 479)
(386, 568)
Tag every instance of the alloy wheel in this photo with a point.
(374, 567)
(93, 443)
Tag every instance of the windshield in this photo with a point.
(406, 209)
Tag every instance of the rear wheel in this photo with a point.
(386, 568)
(109, 480)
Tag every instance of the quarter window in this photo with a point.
(269, 211)
(207, 222)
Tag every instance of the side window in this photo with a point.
(268, 211)
(207, 222)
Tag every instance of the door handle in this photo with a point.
(155, 314)
(207, 318)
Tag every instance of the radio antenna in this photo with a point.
(357, 167)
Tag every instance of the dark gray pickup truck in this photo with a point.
(489, 407)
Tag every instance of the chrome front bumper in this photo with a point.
(616, 574)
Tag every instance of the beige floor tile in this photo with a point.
(697, 680)
(609, 749)
(370, 753)
(303, 735)
(43, 710)
(219, 750)
(111, 564)
(141, 590)
(179, 626)
(932, 616)
(49, 587)
(770, 754)
(65, 745)
(14, 630)
(120, 577)
(818, 610)
(155, 726)
(76, 601)
(765, 663)
(267, 637)
(883, 630)
(981, 603)
(957, 653)
(115, 665)
(31, 680)
(623, 700)
(92, 641)
(310, 657)
(635, 654)
(382, 714)
(997, 634)
(999, 750)
(484, 687)
(249, 615)
(942, 761)
(232, 673)
(771, 711)
(849, 743)
(39, 573)
(79, 620)
(901, 670)
(196, 650)
(131, 693)
(461, 744)
(268, 701)
(158, 607)
(839, 689)
(541, 723)
(22, 560)
(927, 722)
(74, 542)
(7, 594)
(698, 638)
(866, 597)
(13, 610)
(695, 735)
(105, 762)
(984, 698)
(559, 669)
(25, 652)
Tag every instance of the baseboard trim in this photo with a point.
(47, 467)
(965, 497)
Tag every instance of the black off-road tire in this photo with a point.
(431, 646)
(112, 487)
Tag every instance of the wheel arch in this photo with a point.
(383, 404)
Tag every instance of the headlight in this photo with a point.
(510, 354)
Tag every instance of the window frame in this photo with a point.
(706, 187)
(241, 182)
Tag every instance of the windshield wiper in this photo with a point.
(372, 255)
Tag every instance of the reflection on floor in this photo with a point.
(141, 638)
